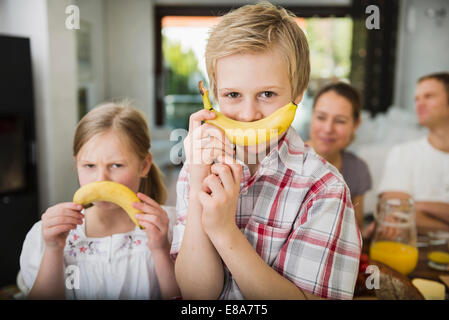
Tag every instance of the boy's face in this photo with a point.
(250, 87)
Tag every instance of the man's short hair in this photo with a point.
(440, 76)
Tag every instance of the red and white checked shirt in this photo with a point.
(296, 212)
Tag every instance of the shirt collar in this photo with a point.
(289, 151)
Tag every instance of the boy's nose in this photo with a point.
(249, 112)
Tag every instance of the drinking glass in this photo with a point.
(395, 238)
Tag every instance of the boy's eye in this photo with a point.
(117, 165)
(268, 94)
(233, 95)
(89, 166)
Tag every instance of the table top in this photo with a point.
(422, 270)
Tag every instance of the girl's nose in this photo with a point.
(250, 112)
(102, 174)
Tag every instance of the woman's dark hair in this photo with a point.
(346, 91)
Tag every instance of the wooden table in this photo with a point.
(422, 270)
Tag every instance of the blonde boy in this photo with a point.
(280, 228)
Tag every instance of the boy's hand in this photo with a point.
(155, 221)
(203, 145)
(219, 197)
(57, 222)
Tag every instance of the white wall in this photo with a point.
(423, 47)
(92, 12)
(130, 53)
(54, 81)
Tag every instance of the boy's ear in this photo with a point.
(298, 98)
(146, 165)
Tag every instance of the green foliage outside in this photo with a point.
(181, 72)
(330, 43)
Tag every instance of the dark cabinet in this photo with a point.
(18, 168)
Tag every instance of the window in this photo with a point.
(340, 46)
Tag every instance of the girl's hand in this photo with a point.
(57, 222)
(219, 197)
(155, 221)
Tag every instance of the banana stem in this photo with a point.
(205, 95)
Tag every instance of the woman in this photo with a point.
(335, 119)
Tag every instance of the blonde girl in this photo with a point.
(98, 252)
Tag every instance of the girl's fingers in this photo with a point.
(57, 230)
(63, 207)
(60, 220)
(148, 200)
(71, 206)
(64, 213)
(149, 227)
(155, 220)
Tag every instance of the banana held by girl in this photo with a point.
(109, 191)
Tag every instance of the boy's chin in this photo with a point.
(256, 152)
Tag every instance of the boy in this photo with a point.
(284, 226)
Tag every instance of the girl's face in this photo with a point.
(332, 125)
(107, 157)
(250, 87)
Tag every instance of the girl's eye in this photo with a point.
(88, 166)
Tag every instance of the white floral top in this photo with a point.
(114, 267)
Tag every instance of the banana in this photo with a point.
(108, 191)
(250, 133)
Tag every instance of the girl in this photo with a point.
(104, 254)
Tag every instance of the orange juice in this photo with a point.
(399, 256)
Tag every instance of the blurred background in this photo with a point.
(152, 51)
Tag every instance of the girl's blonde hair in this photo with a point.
(121, 116)
(256, 29)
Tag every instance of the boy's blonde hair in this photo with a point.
(131, 123)
(256, 29)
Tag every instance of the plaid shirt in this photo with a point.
(296, 212)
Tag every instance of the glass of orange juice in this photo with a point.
(394, 240)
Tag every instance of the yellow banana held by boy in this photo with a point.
(111, 192)
(251, 133)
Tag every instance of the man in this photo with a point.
(420, 168)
